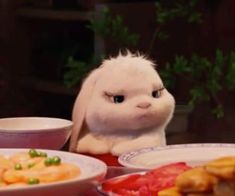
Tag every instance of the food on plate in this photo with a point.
(172, 191)
(223, 167)
(34, 167)
(196, 180)
(215, 178)
(224, 188)
(149, 183)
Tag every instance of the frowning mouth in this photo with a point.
(143, 116)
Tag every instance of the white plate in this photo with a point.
(92, 172)
(193, 154)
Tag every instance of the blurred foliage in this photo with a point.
(166, 13)
(106, 26)
(77, 70)
(208, 78)
(111, 26)
(177, 9)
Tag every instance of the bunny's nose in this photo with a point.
(144, 105)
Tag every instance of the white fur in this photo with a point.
(102, 126)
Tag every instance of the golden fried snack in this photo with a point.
(196, 180)
(173, 191)
(223, 167)
(215, 178)
(199, 194)
(224, 188)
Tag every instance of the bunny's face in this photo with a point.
(129, 96)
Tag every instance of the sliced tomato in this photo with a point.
(148, 184)
(165, 175)
(173, 169)
(120, 183)
(126, 192)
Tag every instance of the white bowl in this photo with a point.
(92, 170)
(192, 154)
(34, 132)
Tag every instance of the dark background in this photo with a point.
(31, 48)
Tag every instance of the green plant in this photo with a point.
(107, 26)
(112, 27)
(207, 78)
(166, 13)
(77, 70)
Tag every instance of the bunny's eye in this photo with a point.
(118, 98)
(114, 98)
(157, 93)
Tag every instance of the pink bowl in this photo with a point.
(34, 132)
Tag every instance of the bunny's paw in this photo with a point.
(120, 148)
(90, 144)
(126, 146)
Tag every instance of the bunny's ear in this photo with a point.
(80, 107)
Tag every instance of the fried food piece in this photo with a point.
(223, 167)
(196, 180)
(224, 188)
(173, 191)
(199, 194)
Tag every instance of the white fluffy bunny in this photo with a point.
(122, 106)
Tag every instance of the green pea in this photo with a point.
(33, 181)
(48, 162)
(18, 166)
(56, 160)
(33, 153)
(42, 154)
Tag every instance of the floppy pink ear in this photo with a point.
(80, 106)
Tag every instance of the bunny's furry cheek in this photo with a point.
(163, 110)
(126, 117)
